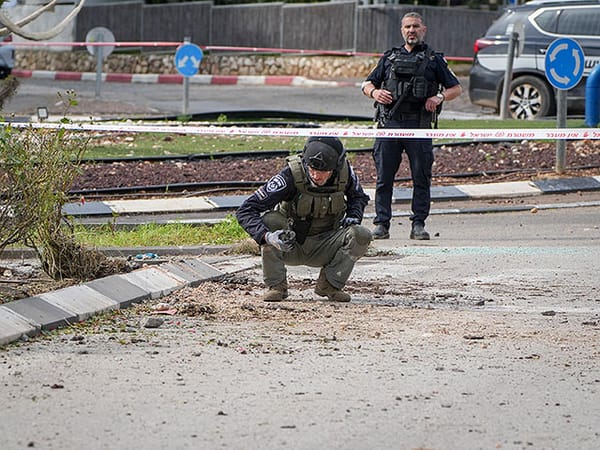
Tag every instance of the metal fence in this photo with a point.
(344, 26)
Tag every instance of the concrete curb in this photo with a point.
(33, 315)
(401, 195)
(252, 80)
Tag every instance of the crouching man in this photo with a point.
(309, 214)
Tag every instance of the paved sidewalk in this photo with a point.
(101, 209)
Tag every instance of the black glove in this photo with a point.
(281, 239)
(348, 221)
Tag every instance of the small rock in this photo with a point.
(473, 336)
(153, 322)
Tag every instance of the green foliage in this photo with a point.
(152, 144)
(225, 232)
(36, 174)
(37, 169)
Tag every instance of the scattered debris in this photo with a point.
(473, 337)
(152, 322)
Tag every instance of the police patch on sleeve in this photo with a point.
(275, 184)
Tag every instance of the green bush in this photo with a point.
(37, 169)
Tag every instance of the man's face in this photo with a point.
(319, 177)
(413, 31)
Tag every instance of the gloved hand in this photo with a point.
(281, 239)
(348, 221)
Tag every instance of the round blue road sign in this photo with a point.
(187, 59)
(564, 63)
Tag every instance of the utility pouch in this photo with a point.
(426, 119)
(381, 115)
(419, 88)
(301, 227)
(436, 115)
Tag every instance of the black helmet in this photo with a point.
(323, 153)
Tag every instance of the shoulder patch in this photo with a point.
(275, 184)
(260, 193)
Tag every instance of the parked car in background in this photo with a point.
(531, 96)
(7, 56)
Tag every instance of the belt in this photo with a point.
(406, 116)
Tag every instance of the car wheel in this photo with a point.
(530, 98)
(4, 72)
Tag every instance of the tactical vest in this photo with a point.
(406, 80)
(320, 208)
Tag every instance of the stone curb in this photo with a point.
(400, 195)
(34, 315)
(253, 80)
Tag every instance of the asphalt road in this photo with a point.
(135, 99)
(485, 337)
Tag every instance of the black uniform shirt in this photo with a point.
(282, 188)
(436, 70)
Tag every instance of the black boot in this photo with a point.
(380, 232)
(418, 232)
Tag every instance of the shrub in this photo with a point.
(37, 169)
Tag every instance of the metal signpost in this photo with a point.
(516, 44)
(99, 34)
(187, 61)
(564, 63)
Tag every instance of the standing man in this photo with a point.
(309, 214)
(409, 85)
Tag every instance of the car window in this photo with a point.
(581, 22)
(504, 24)
(499, 27)
(547, 21)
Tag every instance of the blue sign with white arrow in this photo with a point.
(564, 63)
(187, 59)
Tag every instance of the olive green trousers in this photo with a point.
(335, 252)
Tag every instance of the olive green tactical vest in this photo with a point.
(323, 206)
